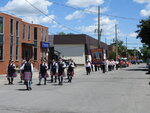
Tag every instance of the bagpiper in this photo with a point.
(43, 72)
(61, 67)
(70, 70)
(53, 70)
(28, 69)
(11, 72)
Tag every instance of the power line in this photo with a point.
(86, 10)
(51, 18)
(54, 19)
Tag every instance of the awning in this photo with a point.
(27, 44)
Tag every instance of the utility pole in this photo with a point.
(99, 32)
(116, 41)
(126, 46)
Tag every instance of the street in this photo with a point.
(121, 91)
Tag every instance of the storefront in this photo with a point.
(20, 40)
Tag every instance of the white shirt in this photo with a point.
(22, 67)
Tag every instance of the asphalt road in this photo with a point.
(122, 91)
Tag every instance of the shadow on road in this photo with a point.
(21, 89)
(139, 69)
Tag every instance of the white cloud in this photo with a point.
(39, 19)
(81, 13)
(146, 10)
(95, 10)
(142, 1)
(75, 15)
(107, 26)
(85, 3)
(23, 8)
(132, 35)
(87, 29)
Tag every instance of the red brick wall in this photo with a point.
(4, 63)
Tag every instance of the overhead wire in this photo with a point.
(51, 18)
(64, 26)
(86, 10)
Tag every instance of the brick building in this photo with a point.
(20, 40)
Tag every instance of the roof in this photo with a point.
(77, 39)
(69, 39)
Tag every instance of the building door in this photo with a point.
(27, 51)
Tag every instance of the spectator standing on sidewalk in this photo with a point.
(88, 67)
(104, 65)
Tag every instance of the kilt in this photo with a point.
(53, 74)
(70, 73)
(12, 75)
(61, 73)
(43, 75)
(21, 76)
(27, 76)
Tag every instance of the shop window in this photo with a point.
(23, 31)
(29, 32)
(17, 28)
(1, 47)
(11, 27)
(1, 38)
(35, 33)
(17, 48)
(35, 53)
(11, 47)
(1, 25)
(35, 50)
(35, 43)
(43, 35)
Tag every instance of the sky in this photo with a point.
(80, 16)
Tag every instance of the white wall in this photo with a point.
(75, 52)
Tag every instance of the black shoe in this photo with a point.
(11, 83)
(38, 84)
(59, 83)
(20, 82)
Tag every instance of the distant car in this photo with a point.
(133, 61)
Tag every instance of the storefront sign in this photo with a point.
(44, 44)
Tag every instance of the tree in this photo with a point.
(121, 48)
(145, 51)
(61, 33)
(112, 55)
(144, 31)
